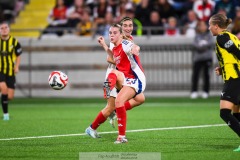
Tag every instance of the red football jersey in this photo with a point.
(125, 61)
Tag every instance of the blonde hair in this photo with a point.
(120, 29)
(221, 20)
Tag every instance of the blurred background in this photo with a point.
(61, 35)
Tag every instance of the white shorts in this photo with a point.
(138, 84)
(113, 93)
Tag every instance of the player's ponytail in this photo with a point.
(221, 20)
(228, 21)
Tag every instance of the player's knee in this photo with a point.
(142, 100)
(10, 97)
(119, 103)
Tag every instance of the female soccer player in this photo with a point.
(127, 28)
(128, 78)
(228, 54)
(10, 51)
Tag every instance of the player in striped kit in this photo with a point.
(10, 51)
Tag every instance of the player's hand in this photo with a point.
(135, 50)
(101, 40)
(16, 70)
(218, 71)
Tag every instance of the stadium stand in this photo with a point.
(32, 19)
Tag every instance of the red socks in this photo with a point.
(127, 106)
(98, 121)
(122, 120)
(112, 79)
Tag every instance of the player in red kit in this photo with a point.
(128, 77)
(127, 27)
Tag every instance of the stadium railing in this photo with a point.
(166, 60)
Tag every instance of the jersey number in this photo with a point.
(131, 81)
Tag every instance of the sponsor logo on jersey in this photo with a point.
(228, 44)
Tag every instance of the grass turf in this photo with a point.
(44, 117)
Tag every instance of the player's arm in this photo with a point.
(218, 71)
(130, 48)
(18, 52)
(135, 49)
(110, 59)
(224, 41)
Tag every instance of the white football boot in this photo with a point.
(91, 132)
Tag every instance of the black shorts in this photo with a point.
(10, 80)
(231, 91)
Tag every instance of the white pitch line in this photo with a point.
(129, 131)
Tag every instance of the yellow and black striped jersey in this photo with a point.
(228, 54)
(9, 50)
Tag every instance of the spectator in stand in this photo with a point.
(103, 29)
(181, 6)
(142, 12)
(236, 23)
(1, 15)
(99, 12)
(8, 7)
(156, 24)
(57, 19)
(74, 13)
(165, 9)
(124, 6)
(189, 23)
(69, 3)
(171, 28)
(85, 27)
(203, 9)
(227, 5)
(19, 6)
(113, 4)
(203, 45)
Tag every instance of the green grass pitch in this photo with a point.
(66, 117)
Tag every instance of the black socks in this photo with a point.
(4, 101)
(237, 116)
(231, 121)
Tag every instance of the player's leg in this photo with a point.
(124, 95)
(225, 112)
(232, 122)
(113, 78)
(101, 118)
(236, 112)
(226, 108)
(11, 92)
(4, 100)
(134, 102)
(230, 97)
(104, 113)
(117, 79)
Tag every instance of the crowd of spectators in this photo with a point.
(151, 17)
(9, 9)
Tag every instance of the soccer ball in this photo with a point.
(58, 80)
